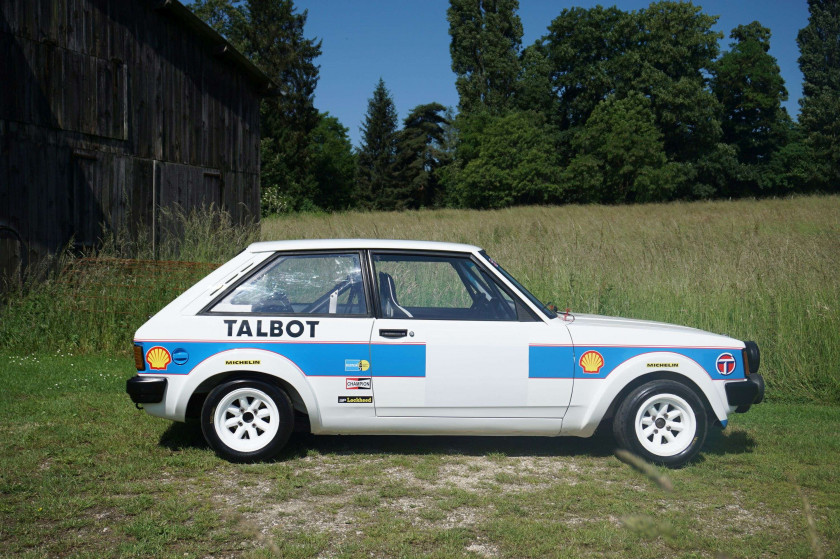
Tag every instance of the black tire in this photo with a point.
(663, 421)
(247, 420)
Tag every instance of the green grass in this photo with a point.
(84, 474)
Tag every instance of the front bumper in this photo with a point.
(145, 390)
(741, 395)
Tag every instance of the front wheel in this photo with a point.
(247, 420)
(662, 421)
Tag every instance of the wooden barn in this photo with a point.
(113, 109)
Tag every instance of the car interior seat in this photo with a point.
(388, 298)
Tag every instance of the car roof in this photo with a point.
(344, 244)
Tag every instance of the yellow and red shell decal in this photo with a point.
(591, 362)
(158, 358)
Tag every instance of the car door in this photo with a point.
(452, 340)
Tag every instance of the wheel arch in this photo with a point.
(594, 399)
(265, 366)
(201, 392)
(658, 375)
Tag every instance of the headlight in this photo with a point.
(752, 357)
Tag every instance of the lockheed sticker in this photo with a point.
(355, 399)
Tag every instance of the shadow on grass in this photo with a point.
(721, 441)
(180, 436)
(599, 445)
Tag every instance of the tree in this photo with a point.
(534, 91)
(585, 50)
(663, 52)
(620, 155)
(749, 85)
(675, 56)
(420, 155)
(486, 38)
(505, 160)
(376, 177)
(230, 20)
(819, 60)
(276, 42)
(270, 34)
(333, 164)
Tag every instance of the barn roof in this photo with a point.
(221, 46)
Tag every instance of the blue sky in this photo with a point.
(407, 44)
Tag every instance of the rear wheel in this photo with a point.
(247, 420)
(662, 421)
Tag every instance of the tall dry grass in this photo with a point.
(762, 270)
(94, 302)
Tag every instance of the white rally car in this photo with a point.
(406, 337)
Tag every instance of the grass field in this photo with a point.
(84, 474)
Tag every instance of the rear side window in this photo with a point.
(301, 284)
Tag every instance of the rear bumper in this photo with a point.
(741, 395)
(145, 390)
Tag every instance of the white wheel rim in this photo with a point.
(665, 425)
(246, 419)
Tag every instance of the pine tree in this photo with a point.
(376, 177)
(334, 164)
(420, 155)
(750, 88)
(270, 34)
(486, 39)
(819, 60)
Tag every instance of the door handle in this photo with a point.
(393, 333)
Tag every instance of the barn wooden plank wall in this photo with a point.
(109, 97)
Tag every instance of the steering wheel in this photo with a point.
(278, 303)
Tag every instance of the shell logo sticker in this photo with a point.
(591, 362)
(158, 358)
(725, 364)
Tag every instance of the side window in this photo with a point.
(301, 284)
(438, 287)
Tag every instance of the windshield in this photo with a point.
(548, 312)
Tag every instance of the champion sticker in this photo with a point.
(355, 399)
(358, 383)
(355, 365)
(725, 364)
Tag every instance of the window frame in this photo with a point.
(366, 286)
(523, 312)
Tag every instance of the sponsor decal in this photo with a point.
(725, 364)
(158, 358)
(243, 362)
(353, 365)
(270, 328)
(358, 383)
(355, 399)
(663, 365)
(591, 362)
